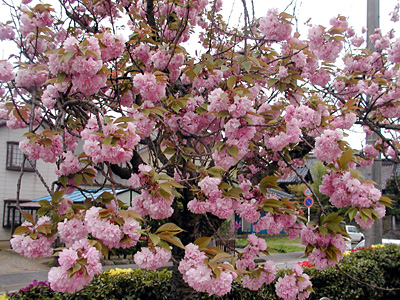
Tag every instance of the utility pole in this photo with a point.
(374, 172)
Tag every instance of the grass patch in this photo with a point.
(277, 244)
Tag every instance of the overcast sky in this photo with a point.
(320, 12)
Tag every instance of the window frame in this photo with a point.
(10, 162)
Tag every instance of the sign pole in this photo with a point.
(309, 217)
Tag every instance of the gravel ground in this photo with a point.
(13, 263)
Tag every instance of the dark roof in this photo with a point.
(302, 170)
(281, 194)
(80, 196)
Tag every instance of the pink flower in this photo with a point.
(6, 73)
(209, 184)
(59, 278)
(114, 46)
(70, 165)
(6, 32)
(152, 259)
(273, 28)
(71, 231)
(147, 86)
(29, 78)
(327, 147)
(293, 285)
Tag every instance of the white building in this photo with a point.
(10, 172)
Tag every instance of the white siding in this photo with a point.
(32, 187)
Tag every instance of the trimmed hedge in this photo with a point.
(377, 266)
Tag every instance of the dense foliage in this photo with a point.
(94, 82)
(376, 265)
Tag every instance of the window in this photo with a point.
(15, 158)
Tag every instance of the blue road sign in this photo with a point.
(308, 202)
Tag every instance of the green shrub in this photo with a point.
(378, 267)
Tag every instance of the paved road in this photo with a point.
(15, 281)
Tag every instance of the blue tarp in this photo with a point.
(80, 196)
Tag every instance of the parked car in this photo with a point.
(354, 233)
(384, 241)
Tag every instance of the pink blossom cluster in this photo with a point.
(215, 202)
(52, 93)
(345, 190)
(84, 71)
(138, 180)
(200, 277)
(38, 150)
(327, 147)
(296, 285)
(311, 236)
(69, 165)
(394, 56)
(19, 117)
(152, 258)
(110, 232)
(249, 208)
(274, 28)
(274, 223)
(296, 118)
(148, 87)
(207, 80)
(380, 41)
(249, 253)
(114, 46)
(150, 203)
(30, 77)
(345, 121)
(6, 71)
(144, 124)
(323, 47)
(71, 231)
(6, 32)
(59, 278)
(32, 246)
(99, 150)
(268, 273)
(246, 262)
(63, 206)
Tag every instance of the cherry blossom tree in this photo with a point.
(221, 128)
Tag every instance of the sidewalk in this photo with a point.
(15, 279)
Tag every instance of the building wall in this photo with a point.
(32, 187)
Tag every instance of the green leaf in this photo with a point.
(345, 159)
(169, 227)
(42, 211)
(63, 180)
(44, 204)
(222, 113)
(173, 240)
(68, 55)
(154, 238)
(61, 76)
(57, 196)
(220, 256)
(233, 150)
(21, 230)
(216, 171)
(231, 81)
(352, 212)
(202, 242)
(78, 179)
(29, 217)
(323, 230)
(246, 65)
